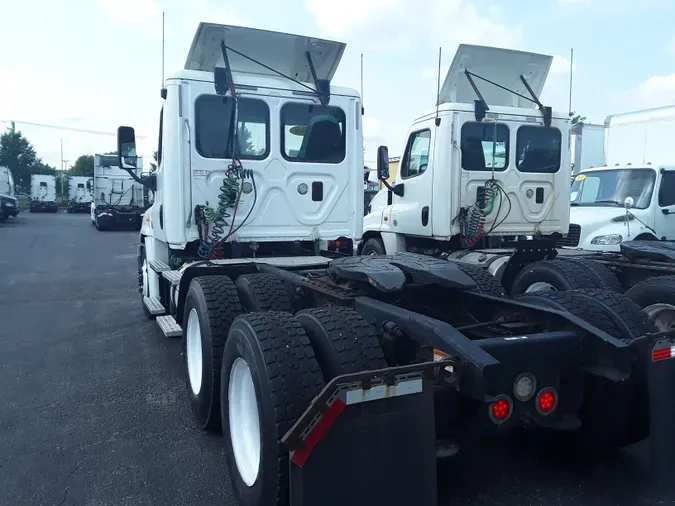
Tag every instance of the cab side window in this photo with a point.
(667, 189)
(416, 156)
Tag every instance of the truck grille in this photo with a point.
(572, 238)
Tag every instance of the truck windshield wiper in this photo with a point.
(615, 202)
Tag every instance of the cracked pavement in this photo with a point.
(93, 409)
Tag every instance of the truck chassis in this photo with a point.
(546, 361)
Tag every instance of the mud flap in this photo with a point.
(661, 377)
(367, 439)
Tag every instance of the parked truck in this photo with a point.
(305, 361)
(9, 206)
(80, 194)
(587, 142)
(42, 193)
(119, 200)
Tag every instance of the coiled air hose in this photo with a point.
(475, 222)
(216, 220)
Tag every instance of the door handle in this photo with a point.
(665, 211)
(425, 216)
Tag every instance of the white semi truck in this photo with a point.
(362, 369)
(42, 193)
(80, 194)
(118, 200)
(9, 206)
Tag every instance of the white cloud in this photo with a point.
(145, 13)
(560, 66)
(573, 2)
(656, 91)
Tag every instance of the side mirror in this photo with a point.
(629, 202)
(126, 148)
(382, 163)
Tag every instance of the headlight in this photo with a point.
(606, 240)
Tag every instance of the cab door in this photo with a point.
(411, 212)
(664, 218)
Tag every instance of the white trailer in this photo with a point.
(640, 137)
(80, 193)
(42, 193)
(260, 160)
(588, 146)
(9, 206)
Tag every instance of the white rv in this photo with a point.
(118, 200)
(42, 193)
(80, 193)
(9, 206)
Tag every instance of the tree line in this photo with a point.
(18, 153)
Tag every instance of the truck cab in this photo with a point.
(612, 205)
(9, 205)
(484, 163)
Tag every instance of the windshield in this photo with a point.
(611, 187)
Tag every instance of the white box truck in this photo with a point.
(42, 193)
(587, 142)
(632, 195)
(80, 194)
(118, 199)
(9, 206)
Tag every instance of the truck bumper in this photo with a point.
(113, 218)
(79, 207)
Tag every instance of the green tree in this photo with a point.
(17, 153)
(83, 166)
(577, 118)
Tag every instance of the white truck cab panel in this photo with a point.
(600, 219)
(450, 158)
(303, 160)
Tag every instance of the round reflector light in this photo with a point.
(524, 387)
(547, 401)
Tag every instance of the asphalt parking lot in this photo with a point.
(92, 407)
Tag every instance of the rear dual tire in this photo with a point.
(564, 274)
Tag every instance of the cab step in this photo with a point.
(154, 306)
(169, 326)
(159, 266)
(172, 277)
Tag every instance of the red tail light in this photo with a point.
(547, 401)
(501, 409)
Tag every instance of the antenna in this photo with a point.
(162, 49)
(571, 73)
(361, 78)
(438, 89)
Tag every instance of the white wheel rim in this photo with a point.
(194, 352)
(662, 316)
(541, 286)
(144, 271)
(244, 422)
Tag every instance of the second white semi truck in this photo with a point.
(80, 194)
(118, 200)
(43, 193)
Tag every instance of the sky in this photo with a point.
(96, 64)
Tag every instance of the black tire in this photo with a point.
(606, 424)
(486, 283)
(373, 246)
(216, 304)
(263, 292)
(342, 340)
(604, 277)
(286, 377)
(658, 290)
(559, 273)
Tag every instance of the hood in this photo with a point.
(501, 66)
(283, 52)
(589, 216)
